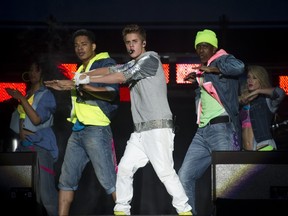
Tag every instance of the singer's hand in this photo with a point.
(81, 78)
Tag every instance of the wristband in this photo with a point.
(79, 81)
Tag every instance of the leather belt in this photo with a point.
(219, 119)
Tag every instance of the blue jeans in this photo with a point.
(93, 143)
(215, 137)
(46, 191)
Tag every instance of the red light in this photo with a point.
(4, 95)
(68, 69)
(283, 83)
(166, 68)
(182, 70)
(124, 94)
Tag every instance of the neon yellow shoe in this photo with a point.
(119, 213)
(185, 213)
(266, 148)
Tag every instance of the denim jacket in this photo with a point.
(226, 83)
(261, 121)
(45, 137)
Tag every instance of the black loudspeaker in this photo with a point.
(250, 183)
(17, 184)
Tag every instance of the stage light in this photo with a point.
(183, 70)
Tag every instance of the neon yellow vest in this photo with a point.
(85, 113)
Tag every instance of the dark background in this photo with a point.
(254, 31)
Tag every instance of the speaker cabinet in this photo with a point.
(255, 180)
(17, 185)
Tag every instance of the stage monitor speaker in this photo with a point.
(254, 178)
(17, 176)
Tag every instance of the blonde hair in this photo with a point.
(260, 73)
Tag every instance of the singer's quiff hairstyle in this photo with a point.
(134, 28)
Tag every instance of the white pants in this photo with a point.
(155, 146)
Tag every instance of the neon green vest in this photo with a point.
(85, 113)
(211, 110)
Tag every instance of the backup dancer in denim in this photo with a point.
(217, 109)
(36, 111)
(91, 138)
(259, 102)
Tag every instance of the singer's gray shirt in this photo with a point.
(148, 89)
